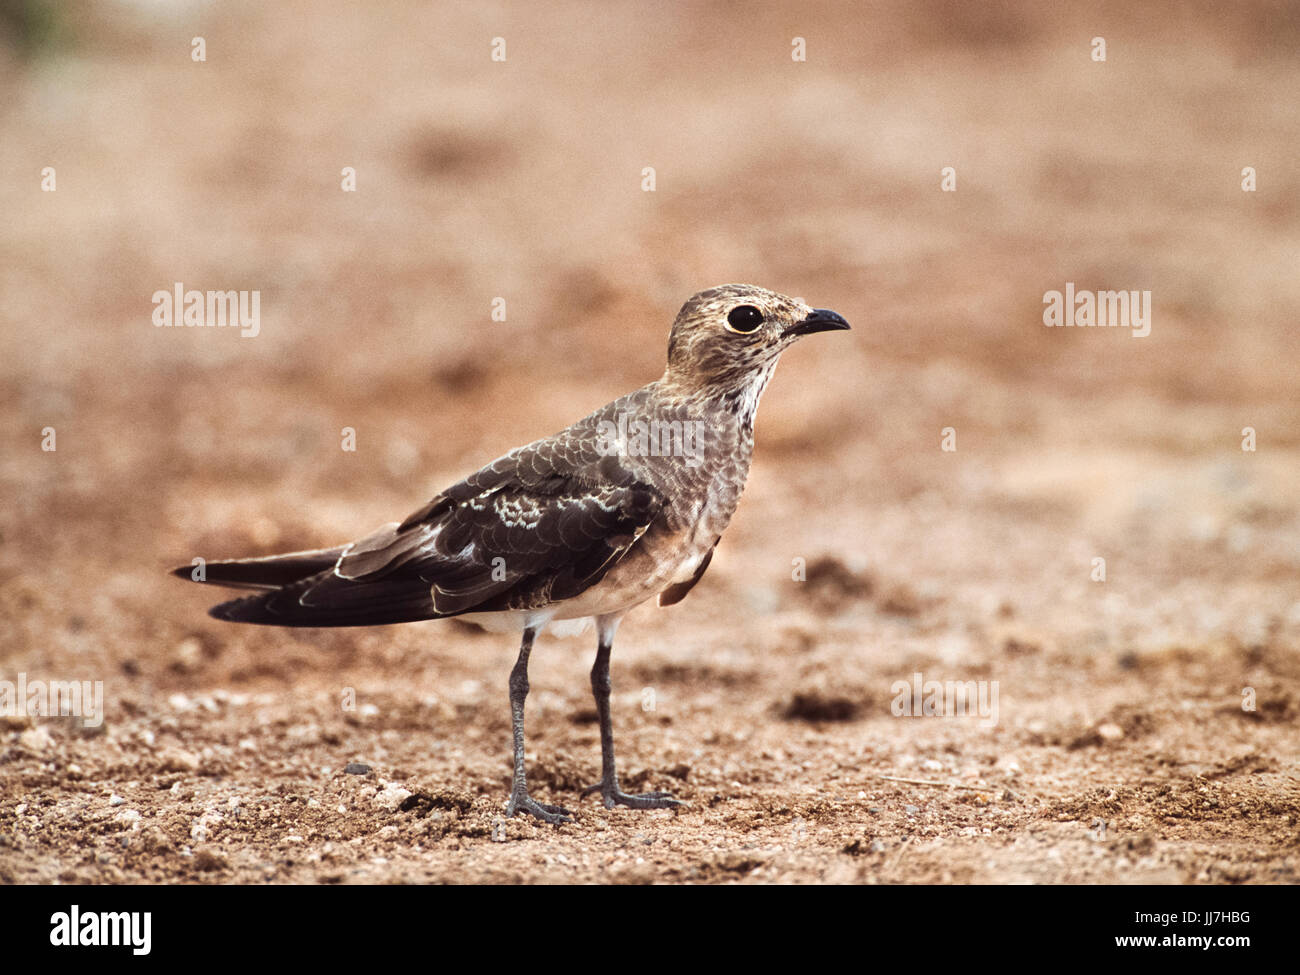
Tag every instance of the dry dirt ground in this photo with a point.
(1121, 752)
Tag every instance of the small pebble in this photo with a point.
(189, 654)
(357, 768)
(36, 739)
(391, 797)
(179, 760)
(1110, 731)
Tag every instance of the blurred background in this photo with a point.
(523, 179)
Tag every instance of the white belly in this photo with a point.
(640, 575)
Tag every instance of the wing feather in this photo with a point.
(541, 523)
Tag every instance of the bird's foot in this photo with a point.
(522, 802)
(614, 796)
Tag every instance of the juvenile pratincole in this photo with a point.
(626, 504)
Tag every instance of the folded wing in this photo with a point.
(543, 523)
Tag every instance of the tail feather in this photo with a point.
(326, 600)
(301, 589)
(271, 572)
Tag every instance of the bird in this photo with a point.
(622, 506)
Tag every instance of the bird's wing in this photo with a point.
(677, 591)
(540, 524)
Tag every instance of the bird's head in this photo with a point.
(729, 337)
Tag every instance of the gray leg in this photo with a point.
(608, 784)
(520, 801)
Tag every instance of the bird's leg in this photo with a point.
(608, 784)
(520, 800)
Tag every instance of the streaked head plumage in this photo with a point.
(727, 336)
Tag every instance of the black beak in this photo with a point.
(821, 320)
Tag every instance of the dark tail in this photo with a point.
(271, 572)
(325, 600)
(300, 589)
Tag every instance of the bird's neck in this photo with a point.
(735, 395)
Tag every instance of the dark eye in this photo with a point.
(744, 318)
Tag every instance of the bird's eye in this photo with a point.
(744, 318)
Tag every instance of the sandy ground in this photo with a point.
(1121, 750)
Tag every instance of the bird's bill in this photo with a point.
(820, 320)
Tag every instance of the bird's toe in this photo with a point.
(555, 815)
(614, 796)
